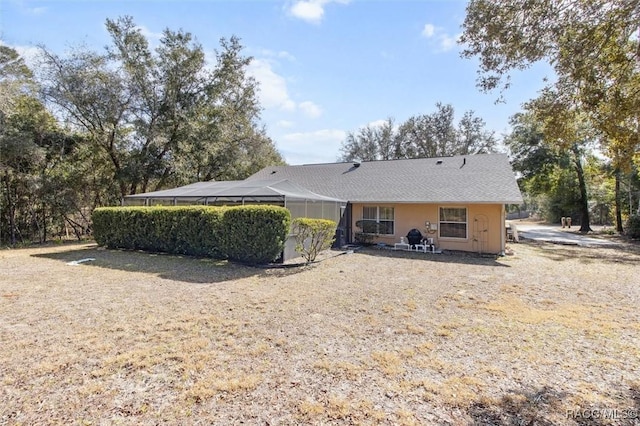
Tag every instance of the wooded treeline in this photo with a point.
(427, 135)
(85, 129)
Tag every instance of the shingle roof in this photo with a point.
(483, 178)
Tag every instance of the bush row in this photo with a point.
(250, 234)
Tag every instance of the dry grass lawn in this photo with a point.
(545, 336)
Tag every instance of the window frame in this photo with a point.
(381, 220)
(453, 222)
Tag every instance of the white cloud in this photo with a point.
(376, 123)
(273, 87)
(311, 10)
(444, 41)
(381, 123)
(320, 146)
(332, 136)
(150, 35)
(428, 30)
(23, 7)
(37, 10)
(310, 109)
(274, 93)
(283, 54)
(448, 42)
(285, 124)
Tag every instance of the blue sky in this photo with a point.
(325, 67)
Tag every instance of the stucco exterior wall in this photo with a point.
(485, 225)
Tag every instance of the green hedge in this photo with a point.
(191, 230)
(250, 234)
(255, 234)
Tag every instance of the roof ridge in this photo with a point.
(395, 159)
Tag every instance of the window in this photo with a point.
(453, 222)
(377, 220)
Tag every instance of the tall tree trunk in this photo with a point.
(11, 209)
(75, 226)
(117, 171)
(618, 203)
(163, 179)
(44, 223)
(584, 200)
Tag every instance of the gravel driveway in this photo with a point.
(557, 234)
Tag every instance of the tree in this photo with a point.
(473, 138)
(15, 79)
(135, 119)
(427, 135)
(594, 52)
(565, 128)
(530, 156)
(602, 190)
(609, 92)
(36, 153)
(373, 142)
(93, 98)
(161, 117)
(546, 142)
(229, 142)
(509, 35)
(19, 152)
(430, 135)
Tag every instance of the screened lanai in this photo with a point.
(298, 200)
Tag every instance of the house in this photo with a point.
(458, 201)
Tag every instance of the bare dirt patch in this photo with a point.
(547, 335)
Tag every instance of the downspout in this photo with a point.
(503, 231)
(349, 225)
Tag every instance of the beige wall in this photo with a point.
(409, 216)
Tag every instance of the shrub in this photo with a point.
(111, 226)
(313, 236)
(364, 239)
(369, 231)
(198, 232)
(191, 230)
(255, 234)
(633, 226)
